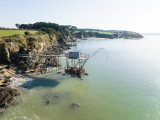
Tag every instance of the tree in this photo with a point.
(49, 31)
(61, 41)
(17, 25)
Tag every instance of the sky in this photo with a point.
(134, 15)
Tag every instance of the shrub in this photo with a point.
(41, 33)
(49, 31)
(26, 33)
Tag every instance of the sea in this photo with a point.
(123, 83)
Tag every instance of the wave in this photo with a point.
(18, 81)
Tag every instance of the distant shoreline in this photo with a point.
(91, 38)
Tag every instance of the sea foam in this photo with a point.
(19, 81)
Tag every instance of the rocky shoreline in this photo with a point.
(20, 68)
(7, 94)
(18, 59)
(7, 98)
(8, 86)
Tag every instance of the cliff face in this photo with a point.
(11, 46)
(4, 55)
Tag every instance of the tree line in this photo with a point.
(70, 32)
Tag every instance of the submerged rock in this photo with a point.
(74, 105)
(2, 112)
(14, 103)
(59, 72)
(48, 102)
(56, 96)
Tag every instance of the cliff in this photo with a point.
(12, 45)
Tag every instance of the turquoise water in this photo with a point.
(123, 84)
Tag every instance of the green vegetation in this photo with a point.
(101, 32)
(40, 35)
(13, 32)
(26, 33)
(69, 32)
(52, 29)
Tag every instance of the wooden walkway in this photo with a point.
(50, 55)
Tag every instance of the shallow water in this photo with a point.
(123, 84)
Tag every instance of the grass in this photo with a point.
(13, 32)
(108, 33)
(100, 32)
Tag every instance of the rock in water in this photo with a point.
(73, 71)
(74, 105)
(14, 103)
(7, 97)
(86, 74)
(59, 72)
(48, 102)
(56, 96)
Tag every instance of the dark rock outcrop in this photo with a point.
(75, 72)
(7, 97)
(4, 54)
(86, 74)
